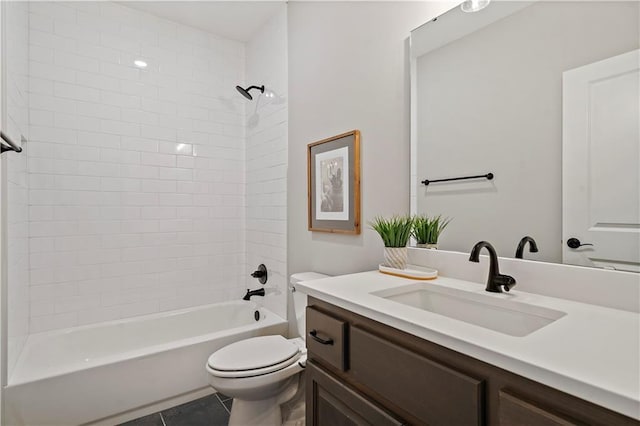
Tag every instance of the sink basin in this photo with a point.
(484, 310)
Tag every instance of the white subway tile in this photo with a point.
(158, 213)
(102, 53)
(75, 31)
(153, 159)
(41, 54)
(57, 10)
(75, 91)
(175, 199)
(97, 81)
(139, 116)
(76, 303)
(76, 62)
(120, 128)
(41, 118)
(41, 22)
(120, 43)
(98, 110)
(120, 100)
(158, 132)
(97, 315)
(157, 186)
(139, 144)
(139, 308)
(52, 134)
(52, 322)
(88, 168)
(50, 103)
(75, 122)
(46, 39)
(139, 199)
(97, 139)
(94, 257)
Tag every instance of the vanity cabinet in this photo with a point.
(364, 372)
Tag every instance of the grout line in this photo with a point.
(162, 418)
(223, 405)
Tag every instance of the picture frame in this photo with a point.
(333, 184)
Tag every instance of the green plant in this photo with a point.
(426, 230)
(395, 232)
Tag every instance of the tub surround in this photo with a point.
(591, 352)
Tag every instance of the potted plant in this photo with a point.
(426, 230)
(395, 234)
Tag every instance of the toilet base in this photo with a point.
(263, 412)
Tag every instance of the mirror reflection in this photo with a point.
(544, 96)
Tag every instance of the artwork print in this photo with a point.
(332, 189)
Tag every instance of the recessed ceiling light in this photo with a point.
(140, 63)
(474, 5)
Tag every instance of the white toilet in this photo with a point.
(261, 373)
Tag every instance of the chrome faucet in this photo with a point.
(496, 280)
(533, 247)
(251, 293)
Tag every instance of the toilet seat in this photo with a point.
(253, 357)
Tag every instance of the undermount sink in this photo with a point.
(484, 310)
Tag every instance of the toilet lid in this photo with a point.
(253, 353)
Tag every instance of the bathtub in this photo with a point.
(92, 373)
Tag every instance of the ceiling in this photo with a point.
(236, 20)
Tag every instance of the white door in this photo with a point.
(601, 163)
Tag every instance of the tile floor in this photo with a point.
(212, 410)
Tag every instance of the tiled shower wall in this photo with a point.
(137, 177)
(266, 158)
(15, 124)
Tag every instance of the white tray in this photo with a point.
(414, 272)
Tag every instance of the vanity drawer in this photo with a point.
(326, 338)
(432, 392)
(519, 411)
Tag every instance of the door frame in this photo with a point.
(3, 219)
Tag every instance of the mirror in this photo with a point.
(543, 95)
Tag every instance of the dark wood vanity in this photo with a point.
(360, 371)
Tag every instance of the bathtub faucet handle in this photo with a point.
(261, 273)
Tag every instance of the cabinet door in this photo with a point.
(518, 411)
(332, 403)
(428, 390)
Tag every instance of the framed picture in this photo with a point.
(333, 174)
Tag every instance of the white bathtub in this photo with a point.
(84, 374)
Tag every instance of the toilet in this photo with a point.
(261, 373)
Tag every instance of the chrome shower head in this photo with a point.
(245, 92)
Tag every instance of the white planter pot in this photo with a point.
(395, 257)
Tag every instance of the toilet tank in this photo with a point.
(300, 299)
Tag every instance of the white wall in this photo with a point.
(492, 102)
(349, 69)
(266, 157)
(15, 125)
(136, 176)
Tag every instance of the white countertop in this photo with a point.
(593, 352)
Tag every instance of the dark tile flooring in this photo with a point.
(212, 410)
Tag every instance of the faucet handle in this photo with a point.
(260, 274)
(506, 281)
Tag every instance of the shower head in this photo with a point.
(245, 92)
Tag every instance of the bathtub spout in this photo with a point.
(259, 292)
